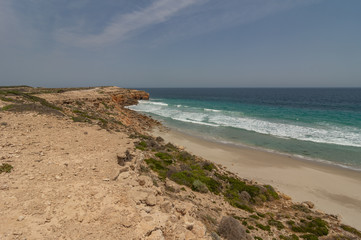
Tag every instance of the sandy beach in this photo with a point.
(332, 189)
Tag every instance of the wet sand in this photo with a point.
(332, 189)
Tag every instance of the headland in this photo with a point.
(77, 164)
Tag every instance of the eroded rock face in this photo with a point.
(129, 97)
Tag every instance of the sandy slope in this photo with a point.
(62, 185)
(332, 189)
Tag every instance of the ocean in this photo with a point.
(316, 124)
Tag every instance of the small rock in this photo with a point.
(151, 200)
(141, 182)
(199, 230)
(181, 210)
(57, 177)
(4, 187)
(20, 218)
(309, 204)
(166, 207)
(156, 235)
(106, 179)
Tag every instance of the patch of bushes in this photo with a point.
(142, 145)
(8, 107)
(80, 119)
(292, 237)
(271, 193)
(309, 237)
(276, 223)
(199, 186)
(163, 156)
(157, 166)
(187, 177)
(351, 230)
(5, 167)
(5, 99)
(263, 227)
(34, 99)
(301, 208)
(208, 166)
(315, 226)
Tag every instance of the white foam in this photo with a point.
(331, 135)
(196, 122)
(324, 133)
(154, 103)
(212, 110)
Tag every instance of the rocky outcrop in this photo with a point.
(129, 97)
(121, 96)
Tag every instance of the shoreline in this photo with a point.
(333, 189)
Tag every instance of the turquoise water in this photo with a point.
(317, 124)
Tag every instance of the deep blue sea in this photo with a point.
(316, 124)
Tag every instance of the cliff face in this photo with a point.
(129, 97)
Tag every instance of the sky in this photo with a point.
(180, 43)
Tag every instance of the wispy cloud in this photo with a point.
(123, 26)
(214, 16)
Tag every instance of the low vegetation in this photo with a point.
(6, 168)
(202, 176)
(352, 230)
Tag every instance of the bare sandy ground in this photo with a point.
(64, 186)
(332, 189)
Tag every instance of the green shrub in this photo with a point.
(163, 156)
(276, 223)
(8, 107)
(263, 227)
(5, 167)
(271, 193)
(351, 230)
(292, 237)
(316, 226)
(199, 186)
(141, 145)
(208, 166)
(309, 237)
(184, 156)
(157, 166)
(301, 208)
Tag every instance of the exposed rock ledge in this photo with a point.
(121, 96)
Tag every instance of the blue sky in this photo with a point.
(181, 43)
